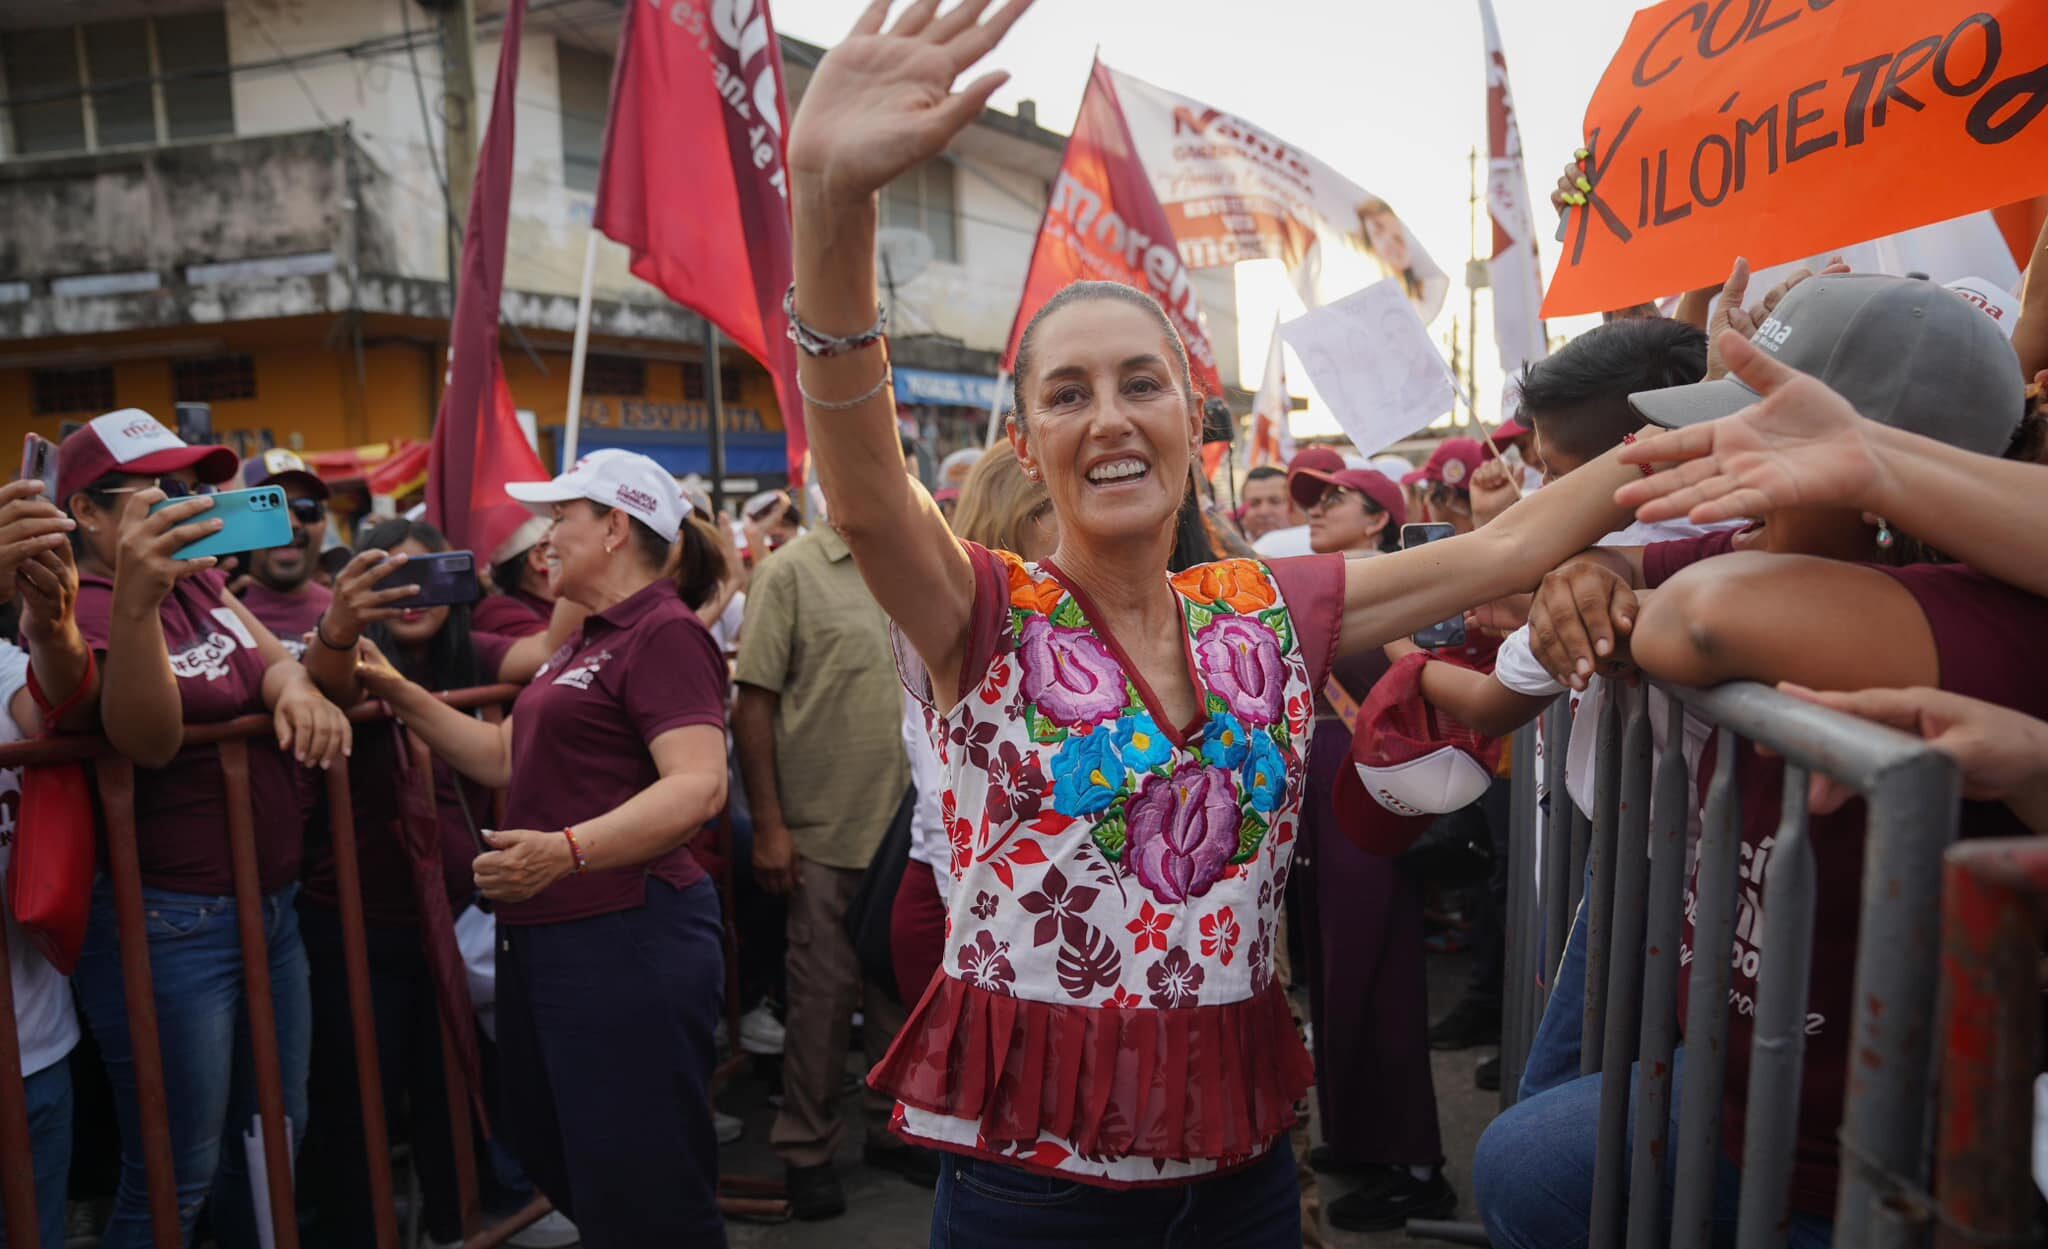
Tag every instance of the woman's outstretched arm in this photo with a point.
(880, 103)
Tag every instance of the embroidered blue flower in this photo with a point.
(1265, 775)
(1140, 742)
(1226, 742)
(1087, 774)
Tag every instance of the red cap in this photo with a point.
(1399, 737)
(1509, 430)
(1306, 485)
(1322, 459)
(1451, 464)
(134, 442)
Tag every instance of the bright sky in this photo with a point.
(1392, 93)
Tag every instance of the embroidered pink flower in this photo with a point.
(986, 965)
(1176, 980)
(1241, 658)
(1070, 674)
(1150, 928)
(1182, 830)
(1219, 935)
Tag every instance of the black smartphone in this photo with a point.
(445, 579)
(195, 423)
(1449, 632)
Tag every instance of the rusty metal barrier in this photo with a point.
(116, 783)
(1637, 851)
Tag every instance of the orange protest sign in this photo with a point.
(1778, 129)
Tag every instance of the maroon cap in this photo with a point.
(132, 441)
(1409, 763)
(1451, 464)
(1306, 485)
(1322, 459)
(1509, 430)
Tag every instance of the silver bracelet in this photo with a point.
(813, 343)
(846, 405)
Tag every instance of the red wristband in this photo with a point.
(1629, 439)
(576, 852)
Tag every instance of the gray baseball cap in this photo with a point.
(1906, 352)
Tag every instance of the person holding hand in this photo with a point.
(610, 945)
(182, 650)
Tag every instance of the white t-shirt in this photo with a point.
(42, 1000)
(1281, 543)
(726, 630)
(928, 842)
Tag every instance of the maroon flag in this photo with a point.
(478, 445)
(694, 180)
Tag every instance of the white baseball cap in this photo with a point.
(1991, 299)
(1444, 780)
(625, 480)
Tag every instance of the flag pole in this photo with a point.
(714, 392)
(578, 352)
(995, 408)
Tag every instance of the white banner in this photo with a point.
(1236, 192)
(1272, 440)
(1373, 363)
(1514, 273)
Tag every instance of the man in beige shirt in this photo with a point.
(817, 722)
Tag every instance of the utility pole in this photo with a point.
(1475, 277)
(459, 108)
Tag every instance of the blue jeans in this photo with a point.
(195, 959)
(987, 1205)
(1532, 1176)
(1554, 1051)
(49, 1134)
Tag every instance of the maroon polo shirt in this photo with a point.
(180, 809)
(580, 736)
(290, 616)
(515, 615)
(374, 778)
(1985, 634)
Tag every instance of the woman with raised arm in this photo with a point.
(1122, 748)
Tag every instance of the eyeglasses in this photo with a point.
(1332, 497)
(1441, 495)
(172, 488)
(308, 511)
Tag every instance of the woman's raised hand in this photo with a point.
(882, 101)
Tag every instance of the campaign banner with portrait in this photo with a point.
(1234, 191)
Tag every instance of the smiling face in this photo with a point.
(286, 568)
(1108, 421)
(416, 627)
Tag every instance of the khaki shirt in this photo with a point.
(816, 637)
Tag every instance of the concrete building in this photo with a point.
(241, 203)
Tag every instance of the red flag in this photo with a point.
(478, 445)
(1104, 222)
(694, 180)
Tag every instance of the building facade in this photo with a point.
(242, 204)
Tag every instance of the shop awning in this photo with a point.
(746, 455)
(954, 390)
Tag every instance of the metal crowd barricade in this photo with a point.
(1637, 856)
(116, 782)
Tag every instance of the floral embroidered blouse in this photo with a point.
(1106, 1009)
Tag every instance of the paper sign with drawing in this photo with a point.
(1372, 361)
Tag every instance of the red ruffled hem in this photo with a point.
(1209, 1082)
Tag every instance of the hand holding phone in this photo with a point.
(1445, 633)
(248, 520)
(444, 578)
(39, 463)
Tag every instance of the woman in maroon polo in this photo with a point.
(610, 958)
(179, 649)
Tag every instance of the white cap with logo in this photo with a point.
(625, 480)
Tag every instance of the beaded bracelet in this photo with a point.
(576, 852)
(320, 632)
(1648, 470)
(845, 405)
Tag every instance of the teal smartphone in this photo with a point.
(251, 520)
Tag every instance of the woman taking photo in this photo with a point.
(437, 648)
(1122, 748)
(181, 650)
(610, 962)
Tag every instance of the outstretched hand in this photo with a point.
(1729, 314)
(2002, 754)
(882, 101)
(1801, 444)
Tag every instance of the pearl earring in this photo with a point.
(1884, 535)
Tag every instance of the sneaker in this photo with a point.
(552, 1230)
(814, 1193)
(1471, 1023)
(1394, 1204)
(919, 1166)
(760, 1031)
(1486, 1076)
(730, 1127)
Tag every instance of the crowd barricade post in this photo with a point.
(1992, 915)
(115, 779)
(1557, 836)
(1523, 995)
(1634, 849)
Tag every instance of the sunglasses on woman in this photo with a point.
(1333, 497)
(172, 488)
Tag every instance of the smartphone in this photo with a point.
(1450, 632)
(39, 460)
(252, 520)
(445, 579)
